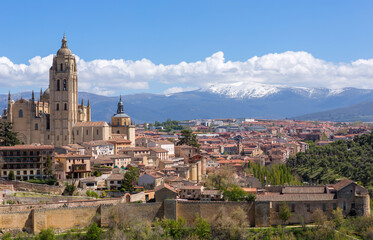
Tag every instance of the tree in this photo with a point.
(337, 217)
(48, 170)
(202, 228)
(130, 179)
(11, 176)
(70, 188)
(46, 234)
(94, 232)
(251, 197)
(319, 217)
(7, 136)
(188, 138)
(235, 193)
(284, 213)
(221, 179)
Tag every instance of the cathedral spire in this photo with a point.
(120, 106)
(88, 103)
(9, 98)
(64, 41)
(82, 102)
(33, 96)
(41, 93)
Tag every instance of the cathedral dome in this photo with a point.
(64, 50)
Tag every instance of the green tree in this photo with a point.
(48, 170)
(11, 175)
(221, 179)
(188, 138)
(251, 197)
(202, 228)
(337, 217)
(284, 213)
(235, 193)
(94, 232)
(7, 136)
(130, 179)
(7, 236)
(70, 189)
(46, 234)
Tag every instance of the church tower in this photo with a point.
(63, 103)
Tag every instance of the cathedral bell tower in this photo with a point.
(63, 87)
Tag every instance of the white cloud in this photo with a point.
(174, 90)
(294, 69)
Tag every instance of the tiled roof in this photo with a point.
(165, 185)
(295, 197)
(342, 184)
(304, 190)
(28, 147)
(90, 124)
(115, 176)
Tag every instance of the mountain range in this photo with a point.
(234, 101)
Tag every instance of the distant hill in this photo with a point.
(357, 112)
(232, 102)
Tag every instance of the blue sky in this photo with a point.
(337, 33)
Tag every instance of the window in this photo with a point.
(58, 138)
(20, 113)
(36, 126)
(4, 173)
(97, 132)
(77, 132)
(292, 207)
(324, 207)
(344, 206)
(61, 68)
(64, 85)
(58, 107)
(278, 208)
(58, 85)
(86, 132)
(48, 137)
(24, 172)
(65, 138)
(32, 172)
(65, 107)
(18, 172)
(308, 207)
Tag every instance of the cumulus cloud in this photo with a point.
(293, 69)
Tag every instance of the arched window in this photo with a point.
(64, 85)
(20, 113)
(65, 107)
(58, 107)
(61, 67)
(97, 132)
(58, 85)
(118, 132)
(36, 126)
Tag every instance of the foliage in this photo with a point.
(221, 179)
(284, 213)
(235, 193)
(175, 229)
(202, 228)
(130, 179)
(48, 170)
(42, 181)
(169, 125)
(11, 175)
(251, 197)
(188, 138)
(325, 164)
(7, 136)
(94, 232)
(91, 193)
(273, 175)
(6, 236)
(70, 188)
(337, 217)
(103, 194)
(46, 234)
(97, 173)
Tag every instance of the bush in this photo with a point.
(46, 234)
(94, 232)
(202, 229)
(11, 175)
(284, 213)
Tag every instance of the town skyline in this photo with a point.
(168, 47)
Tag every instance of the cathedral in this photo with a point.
(57, 118)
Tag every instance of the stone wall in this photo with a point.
(32, 187)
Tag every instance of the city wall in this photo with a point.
(62, 218)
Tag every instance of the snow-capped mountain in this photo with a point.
(225, 101)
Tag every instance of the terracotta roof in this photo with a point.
(115, 176)
(165, 185)
(191, 187)
(342, 184)
(295, 197)
(28, 147)
(90, 124)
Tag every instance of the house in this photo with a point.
(74, 165)
(98, 148)
(165, 191)
(114, 181)
(191, 192)
(211, 195)
(151, 180)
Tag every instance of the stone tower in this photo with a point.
(63, 104)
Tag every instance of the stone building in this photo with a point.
(57, 118)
